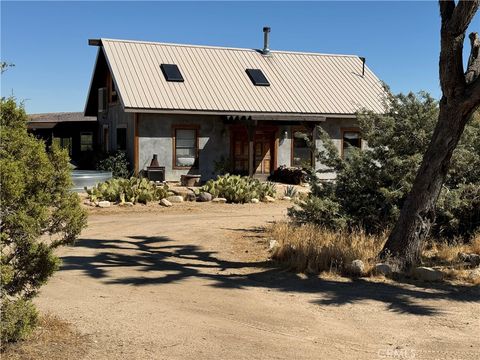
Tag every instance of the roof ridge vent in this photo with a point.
(266, 38)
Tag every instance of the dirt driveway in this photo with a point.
(191, 282)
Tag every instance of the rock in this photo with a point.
(204, 197)
(104, 204)
(165, 202)
(383, 269)
(190, 196)
(128, 203)
(220, 200)
(175, 199)
(273, 244)
(268, 199)
(474, 274)
(87, 202)
(254, 201)
(287, 198)
(427, 274)
(357, 267)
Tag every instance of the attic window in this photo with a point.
(257, 77)
(171, 72)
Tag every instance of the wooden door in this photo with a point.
(263, 153)
(240, 153)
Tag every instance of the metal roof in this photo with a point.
(59, 117)
(216, 81)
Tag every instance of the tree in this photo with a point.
(460, 99)
(35, 201)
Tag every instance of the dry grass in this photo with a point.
(310, 249)
(313, 250)
(53, 339)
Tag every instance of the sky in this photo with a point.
(48, 41)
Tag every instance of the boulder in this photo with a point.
(190, 196)
(287, 198)
(165, 202)
(87, 202)
(474, 274)
(104, 204)
(357, 267)
(383, 269)
(175, 199)
(219, 200)
(273, 244)
(254, 201)
(204, 197)
(268, 199)
(128, 203)
(427, 274)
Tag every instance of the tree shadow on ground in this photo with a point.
(157, 260)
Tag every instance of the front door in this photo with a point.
(263, 151)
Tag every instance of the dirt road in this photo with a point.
(191, 282)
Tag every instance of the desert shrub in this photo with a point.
(290, 191)
(312, 249)
(19, 318)
(117, 163)
(371, 185)
(286, 175)
(35, 200)
(133, 190)
(239, 189)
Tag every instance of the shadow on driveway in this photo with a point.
(165, 263)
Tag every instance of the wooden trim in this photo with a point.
(275, 149)
(294, 129)
(135, 144)
(351, 129)
(197, 144)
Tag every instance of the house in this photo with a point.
(71, 130)
(198, 108)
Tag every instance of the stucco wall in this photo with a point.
(155, 137)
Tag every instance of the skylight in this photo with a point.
(171, 72)
(257, 77)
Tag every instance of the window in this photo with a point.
(301, 153)
(105, 138)
(121, 139)
(64, 143)
(350, 140)
(185, 146)
(257, 77)
(86, 141)
(171, 72)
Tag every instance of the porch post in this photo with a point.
(251, 125)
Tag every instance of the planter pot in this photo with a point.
(190, 180)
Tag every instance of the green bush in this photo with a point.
(371, 185)
(36, 200)
(117, 163)
(239, 189)
(133, 190)
(19, 318)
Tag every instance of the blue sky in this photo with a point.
(47, 41)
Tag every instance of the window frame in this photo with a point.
(91, 145)
(174, 146)
(342, 142)
(293, 130)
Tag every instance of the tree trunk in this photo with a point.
(461, 97)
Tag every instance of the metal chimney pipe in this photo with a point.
(363, 65)
(266, 49)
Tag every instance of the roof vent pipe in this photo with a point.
(363, 65)
(266, 49)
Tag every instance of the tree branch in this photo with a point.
(462, 16)
(446, 9)
(473, 67)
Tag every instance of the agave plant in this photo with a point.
(290, 191)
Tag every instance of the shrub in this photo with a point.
(36, 200)
(371, 185)
(312, 249)
(239, 189)
(290, 191)
(117, 163)
(132, 190)
(285, 175)
(19, 318)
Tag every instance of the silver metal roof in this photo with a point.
(216, 81)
